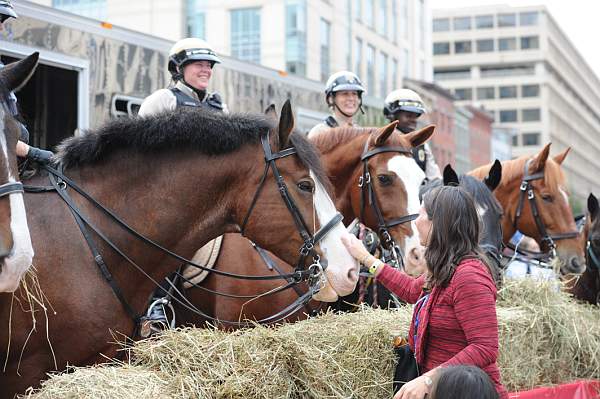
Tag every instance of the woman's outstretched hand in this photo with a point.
(355, 247)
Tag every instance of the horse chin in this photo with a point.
(326, 294)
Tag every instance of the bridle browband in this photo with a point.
(313, 274)
(368, 194)
(526, 190)
(10, 188)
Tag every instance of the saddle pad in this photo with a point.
(205, 256)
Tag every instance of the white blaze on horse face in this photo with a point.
(19, 261)
(411, 176)
(342, 268)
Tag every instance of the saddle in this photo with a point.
(205, 256)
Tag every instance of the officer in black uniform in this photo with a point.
(24, 150)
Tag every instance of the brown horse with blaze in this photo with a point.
(533, 193)
(179, 179)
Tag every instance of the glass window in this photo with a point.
(484, 21)
(485, 45)
(505, 20)
(462, 47)
(508, 115)
(89, 8)
(295, 34)
(358, 56)
(394, 24)
(404, 18)
(441, 24)
(383, 70)
(462, 23)
(370, 68)
(325, 49)
(507, 44)
(530, 115)
(441, 48)
(382, 18)
(369, 13)
(406, 63)
(530, 90)
(528, 18)
(421, 18)
(515, 140)
(245, 34)
(531, 138)
(449, 74)
(358, 10)
(394, 73)
(508, 91)
(464, 94)
(530, 42)
(486, 93)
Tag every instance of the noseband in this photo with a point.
(310, 240)
(10, 188)
(368, 194)
(526, 190)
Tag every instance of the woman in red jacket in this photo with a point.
(454, 320)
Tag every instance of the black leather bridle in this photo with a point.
(313, 274)
(527, 191)
(393, 252)
(10, 188)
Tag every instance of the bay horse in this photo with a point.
(178, 179)
(16, 251)
(587, 286)
(534, 196)
(346, 153)
(488, 209)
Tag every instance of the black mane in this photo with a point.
(209, 132)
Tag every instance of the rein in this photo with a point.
(313, 274)
(392, 252)
(526, 191)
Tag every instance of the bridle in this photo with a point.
(313, 274)
(526, 191)
(10, 188)
(393, 253)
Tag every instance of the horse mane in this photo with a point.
(327, 141)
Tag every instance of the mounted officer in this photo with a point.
(406, 106)
(191, 61)
(343, 94)
(24, 150)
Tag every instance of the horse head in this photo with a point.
(16, 252)
(307, 198)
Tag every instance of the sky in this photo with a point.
(579, 19)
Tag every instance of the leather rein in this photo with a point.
(313, 274)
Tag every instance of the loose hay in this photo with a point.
(545, 338)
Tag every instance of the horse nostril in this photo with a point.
(352, 275)
(576, 265)
(414, 254)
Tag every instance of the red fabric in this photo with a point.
(573, 390)
(458, 324)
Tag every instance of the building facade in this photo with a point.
(480, 132)
(517, 63)
(501, 144)
(382, 41)
(462, 137)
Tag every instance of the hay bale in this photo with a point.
(105, 382)
(545, 338)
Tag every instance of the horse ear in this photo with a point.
(450, 176)
(593, 206)
(383, 134)
(286, 124)
(18, 73)
(538, 163)
(420, 136)
(494, 176)
(561, 157)
(271, 112)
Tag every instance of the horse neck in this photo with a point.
(343, 163)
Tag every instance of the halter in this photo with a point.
(10, 188)
(526, 189)
(368, 193)
(313, 274)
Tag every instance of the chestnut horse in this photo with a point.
(16, 252)
(534, 196)
(395, 179)
(587, 286)
(179, 179)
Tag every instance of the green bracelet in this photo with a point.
(375, 266)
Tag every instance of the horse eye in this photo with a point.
(385, 180)
(306, 186)
(547, 198)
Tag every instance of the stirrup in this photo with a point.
(156, 320)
